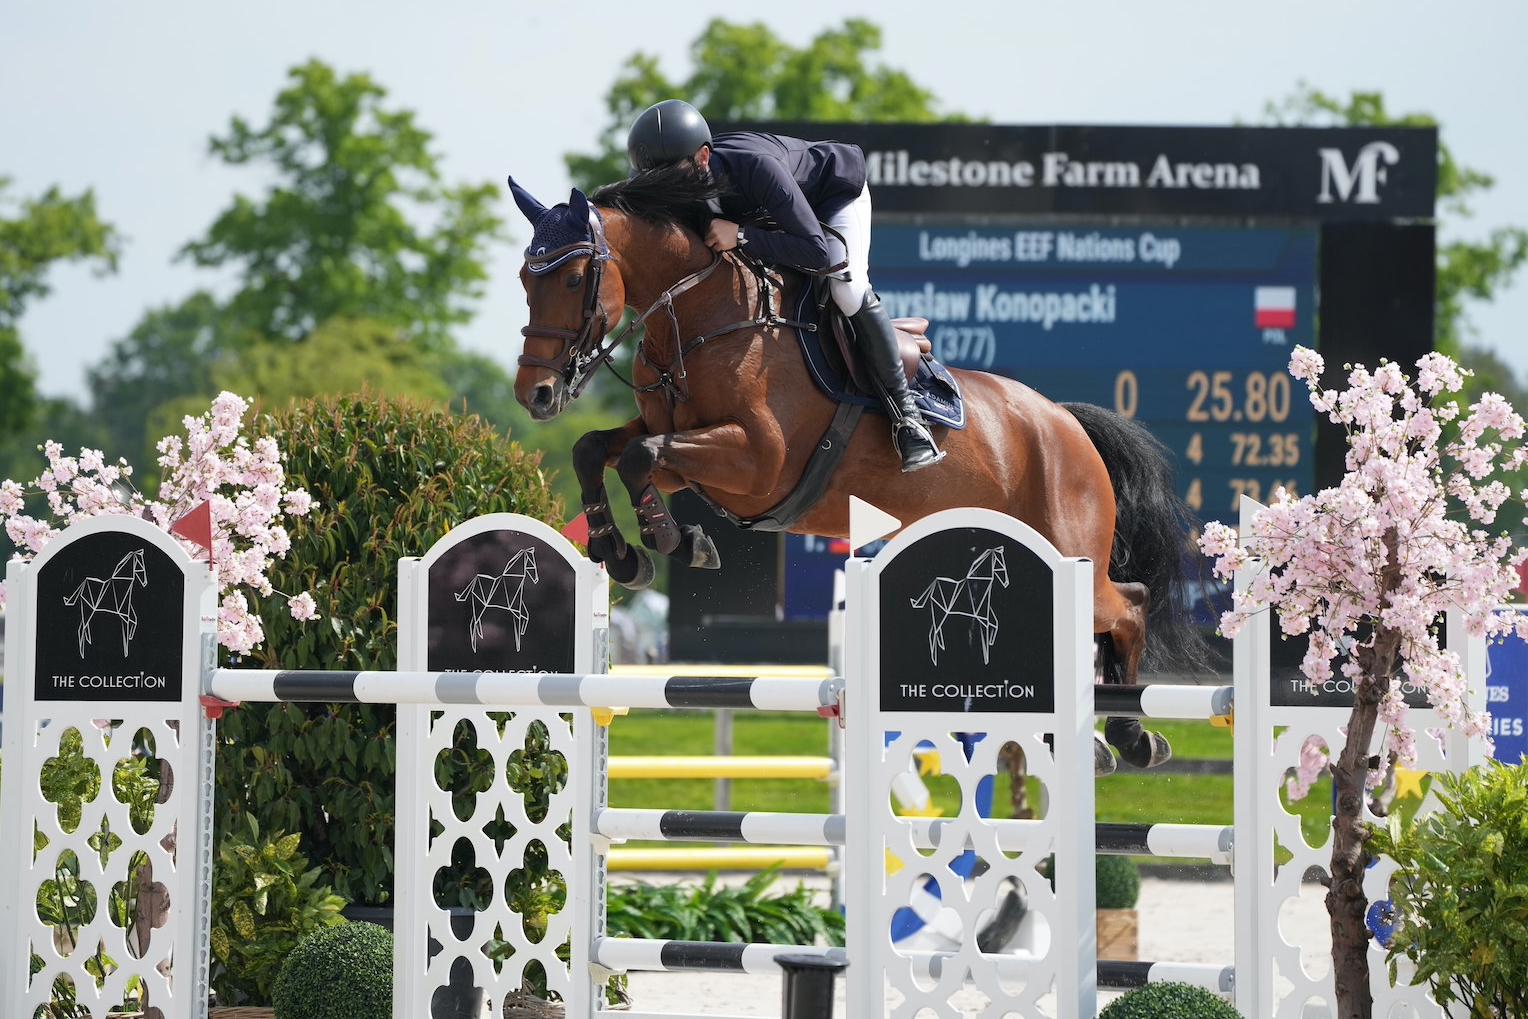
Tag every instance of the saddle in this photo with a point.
(836, 367)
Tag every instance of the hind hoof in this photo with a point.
(702, 550)
(1150, 751)
(1103, 758)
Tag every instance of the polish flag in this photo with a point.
(1274, 307)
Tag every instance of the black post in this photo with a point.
(808, 990)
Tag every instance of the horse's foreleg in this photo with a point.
(714, 456)
(592, 455)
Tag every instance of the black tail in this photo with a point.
(1150, 532)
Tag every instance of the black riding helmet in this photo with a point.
(665, 133)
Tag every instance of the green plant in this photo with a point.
(1169, 1001)
(388, 478)
(1118, 882)
(343, 972)
(265, 899)
(707, 912)
(1460, 894)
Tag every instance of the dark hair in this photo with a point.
(676, 194)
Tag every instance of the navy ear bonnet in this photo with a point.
(564, 231)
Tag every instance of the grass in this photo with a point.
(1127, 796)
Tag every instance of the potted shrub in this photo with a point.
(1118, 889)
(1170, 1001)
(343, 972)
(1459, 910)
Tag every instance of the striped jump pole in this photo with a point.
(520, 689)
(1176, 841)
(648, 955)
(1127, 976)
(1164, 700)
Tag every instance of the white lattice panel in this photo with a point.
(884, 978)
(427, 947)
(108, 629)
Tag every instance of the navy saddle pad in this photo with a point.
(934, 389)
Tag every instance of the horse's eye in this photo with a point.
(575, 280)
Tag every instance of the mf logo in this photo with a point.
(1359, 182)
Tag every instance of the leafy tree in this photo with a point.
(747, 72)
(35, 234)
(1467, 268)
(170, 355)
(338, 234)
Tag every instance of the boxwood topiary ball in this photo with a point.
(1170, 1001)
(343, 972)
(1118, 882)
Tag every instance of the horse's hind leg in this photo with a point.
(592, 454)
(1124, 641)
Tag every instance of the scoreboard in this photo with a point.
(1186, 329)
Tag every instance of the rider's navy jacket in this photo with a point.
(790, 182)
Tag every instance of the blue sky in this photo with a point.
(122, 97)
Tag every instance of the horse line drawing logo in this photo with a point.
(504, 592)
(970, 597)
(112, 597)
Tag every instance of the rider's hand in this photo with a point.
(722, 236)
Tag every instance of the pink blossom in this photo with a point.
(1327, 562)
(303, 607)
(213, 462)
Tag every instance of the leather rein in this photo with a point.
(589, 346)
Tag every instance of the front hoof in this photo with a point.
(1103, 758)
(633, 571)
(698, 547)
(646, 572)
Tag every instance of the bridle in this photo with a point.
(586, 348)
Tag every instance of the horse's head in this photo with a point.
(132, 566)
(530, 566)
(572, 288)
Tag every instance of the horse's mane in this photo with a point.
(673, 195)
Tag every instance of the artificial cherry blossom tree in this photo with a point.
(1366, 568)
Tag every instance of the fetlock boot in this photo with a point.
(877, 339)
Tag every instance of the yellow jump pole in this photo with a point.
(729, 858)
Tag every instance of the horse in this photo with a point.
(113, 596)
(489, 591)
(725, 406)
(970, 596)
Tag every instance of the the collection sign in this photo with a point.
(498, 602)
(113, 605)
(1310, 173)
(967, 626)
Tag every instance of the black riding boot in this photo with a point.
(878, 342)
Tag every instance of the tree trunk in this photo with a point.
(1346, 902)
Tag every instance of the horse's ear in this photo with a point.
(578, 205)
(531, 208)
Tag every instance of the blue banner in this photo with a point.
(1507, 698)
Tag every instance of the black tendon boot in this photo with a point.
(878, 342)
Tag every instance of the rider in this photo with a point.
(794, 184)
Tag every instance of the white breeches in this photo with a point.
(853, 222)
